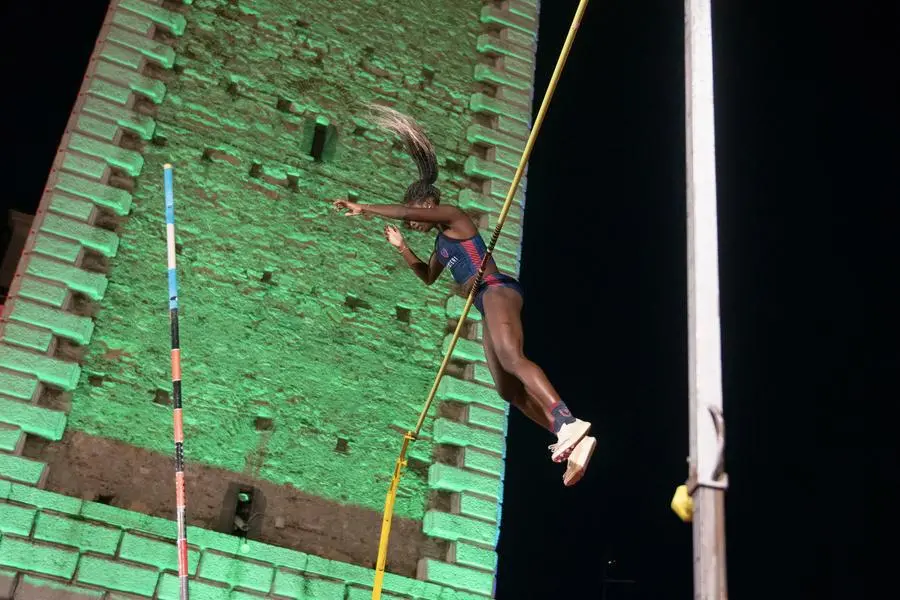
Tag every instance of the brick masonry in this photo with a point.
(165, 84)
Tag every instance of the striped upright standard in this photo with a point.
(176, 384)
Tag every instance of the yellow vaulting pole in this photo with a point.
(412, 435)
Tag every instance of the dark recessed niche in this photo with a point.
(356, 303)
(342, 446)
(242, 511)
(403, 314)
(264, 424)
(320, 134)
(320, 139)
(162, 398)
(452, 166)
(283, 104)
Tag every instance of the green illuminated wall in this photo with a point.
(307, 345)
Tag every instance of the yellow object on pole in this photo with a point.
(412, 435)
(682, 504)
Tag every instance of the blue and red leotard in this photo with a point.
(463, 258)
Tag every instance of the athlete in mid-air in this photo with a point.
(460, 247)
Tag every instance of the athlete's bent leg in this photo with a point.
(502, 310)
(510, 388)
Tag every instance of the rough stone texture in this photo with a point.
(11, 439)
(22, 553)
(16, 519)
(290, 313)
(8, 581)
(86, 536)
(38, 588)
(22, 470)
(229, 567)
(117, 575)
(308, 341)
(138, 479)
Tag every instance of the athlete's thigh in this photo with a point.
(508, 386)
(502, 316)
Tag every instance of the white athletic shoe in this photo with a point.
(578, 460)
(569, 435)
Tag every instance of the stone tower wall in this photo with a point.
(307, 346)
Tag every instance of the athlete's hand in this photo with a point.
(352, 208)
(394, 237)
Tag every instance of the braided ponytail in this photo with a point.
(419, 148)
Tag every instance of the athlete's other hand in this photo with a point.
(352, 208)
(394, 237)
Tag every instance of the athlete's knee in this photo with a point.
(511, 358)
(514, 394)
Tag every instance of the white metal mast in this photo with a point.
(707, 480)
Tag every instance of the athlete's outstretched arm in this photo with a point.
(442, 215)
(429, 272)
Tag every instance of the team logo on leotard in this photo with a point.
(444, 253)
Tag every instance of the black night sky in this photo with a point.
(807, 131)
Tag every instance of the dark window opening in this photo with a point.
(243, 512)
(403, 314)
(356, 303)
(452, 166)
(320, 135)
(320, 139)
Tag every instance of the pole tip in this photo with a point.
(167, 166)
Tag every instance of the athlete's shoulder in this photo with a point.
(462, 222)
